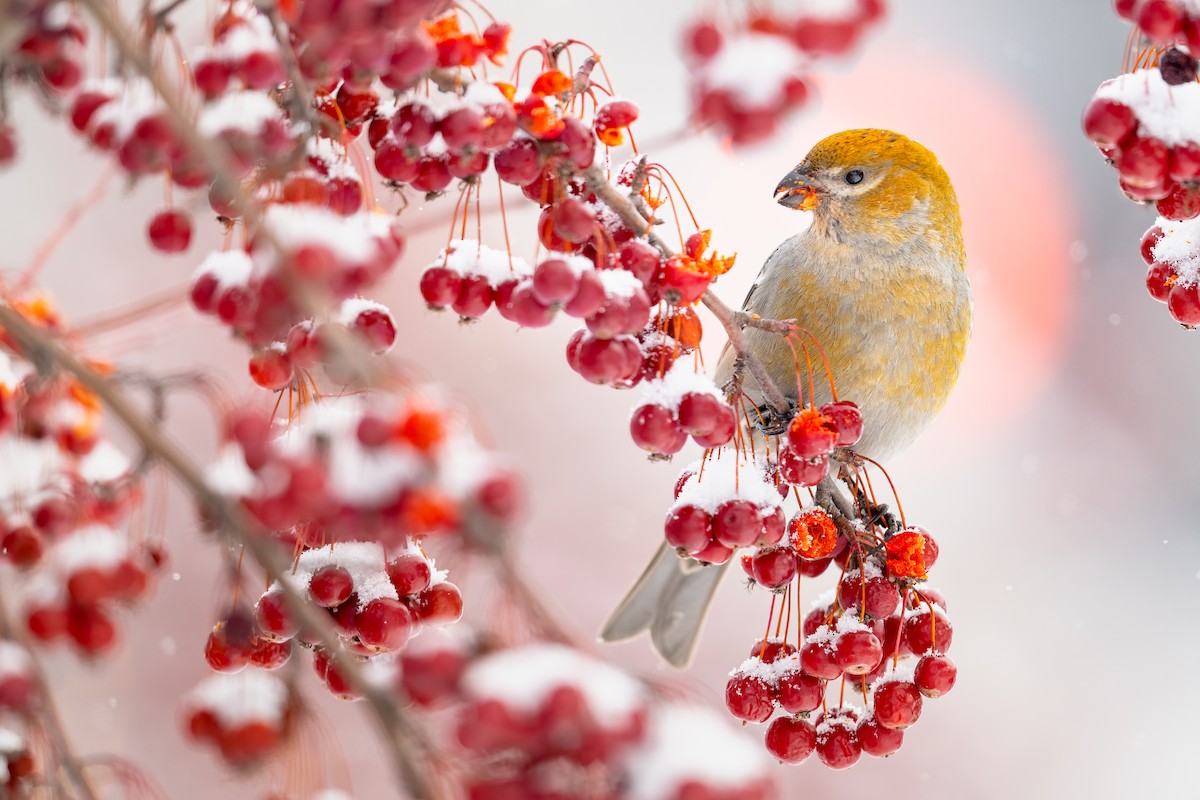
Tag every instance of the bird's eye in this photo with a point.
(854, 176)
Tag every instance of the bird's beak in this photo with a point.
(795, 191)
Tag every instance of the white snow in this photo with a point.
(229, 475)
(246, 111)
(618, 282)
(237, 698)
(360, 476)
(365, 561)
(351, 307)
(470, 257)
(91, 546)
(355, 238)
(333, 157)
(753, 68)
(1169, 113)
(688, 743)
(33, 467)
(104, 464)
(682, 379)
(523, 678)
(12, 371)
(463, 465)
(229, 267)
(134, 100)
(725, 476)
(14, 659)
(1179, 248)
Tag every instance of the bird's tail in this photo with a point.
(671, 598)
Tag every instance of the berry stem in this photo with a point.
(406, 739)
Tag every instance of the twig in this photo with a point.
(301, 98)
(48, 715)
(411, 762)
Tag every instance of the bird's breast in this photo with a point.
(893, 330)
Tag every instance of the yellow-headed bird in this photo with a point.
(879, 280)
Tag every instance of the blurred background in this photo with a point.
(1060, 481)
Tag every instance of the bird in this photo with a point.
(879, 280)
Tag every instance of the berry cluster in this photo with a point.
(343, 255)
(62, 508)
(722, 504)
(246, 715)
(376, 602)
(549, 722)
(1171, 250)
(749, 74)
(1140, 123)
(354, 470)
(1164, 21)
(811, 438)
(680, 404)
(865, 634)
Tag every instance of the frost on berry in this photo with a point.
(245, 716)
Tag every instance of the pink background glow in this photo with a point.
(1059, 481)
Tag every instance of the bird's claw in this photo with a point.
(772, 423)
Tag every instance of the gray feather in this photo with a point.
(671, 599)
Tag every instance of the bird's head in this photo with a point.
(872, 183)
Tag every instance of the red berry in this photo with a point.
(877, 740)
(431, 676)
(462, 129)
(384, 624)
(837, 746)
(22, 546)
(433, 174)
(774, 568)
(858, 652)
(897, 704)
(573, 220)
(227, 650)
(1159, 280)
(440, 604)
(554, 281)
(589, 297)
(737, 523)
(1159, 19)
(1107, 122)
(440, 287)
(801, 471)
(92, 629)
(518, 162)
(274, 617)
(882, 597)
(701, 413)
(330, 586)
(474, 297)
(799, 692)
(393, 162)
(271, 368)
(1183, 301)
(267, 654)
(1185, 162)
(1180, 204)
(1149, 239)
(749, 698)
(1143, 164)
(688, 527)
(702, 40)
(928, 631)
(812, 434)
(791, 740)
(847, 419)
(87, 586)
(655, 430)
(409, 573)
(817, 660)
(414, 124)
(935, 674)
(170, 230)
(713, 553)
